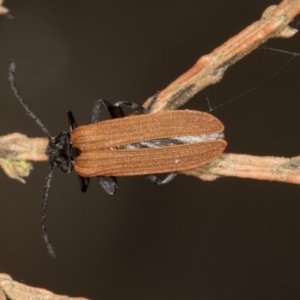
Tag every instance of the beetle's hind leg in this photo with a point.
(154, 178)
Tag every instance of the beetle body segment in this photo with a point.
(105, 146)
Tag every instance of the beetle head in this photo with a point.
(61, 153)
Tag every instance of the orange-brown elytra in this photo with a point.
(192, 139)
(145, 144)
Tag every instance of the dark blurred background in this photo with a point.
(227, 239)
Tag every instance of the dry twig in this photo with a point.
(3, 10)
(19, 291)
(16, 149)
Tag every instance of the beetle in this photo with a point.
(140, 144)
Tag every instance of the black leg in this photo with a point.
(72, 122)
(115, 112)
(133, 106)
(158, 181)
(109, 184)
(84, 183)
(139, 107)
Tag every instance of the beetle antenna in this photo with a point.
(11, 78)
(44, 210)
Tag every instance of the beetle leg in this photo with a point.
(154, 178)
(84, 183)
(109, 184)
(72, 122)
(115, 112)
(138, 107)
(133, 106)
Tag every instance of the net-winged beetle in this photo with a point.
(143, 144)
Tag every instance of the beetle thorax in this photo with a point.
(61, 153)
